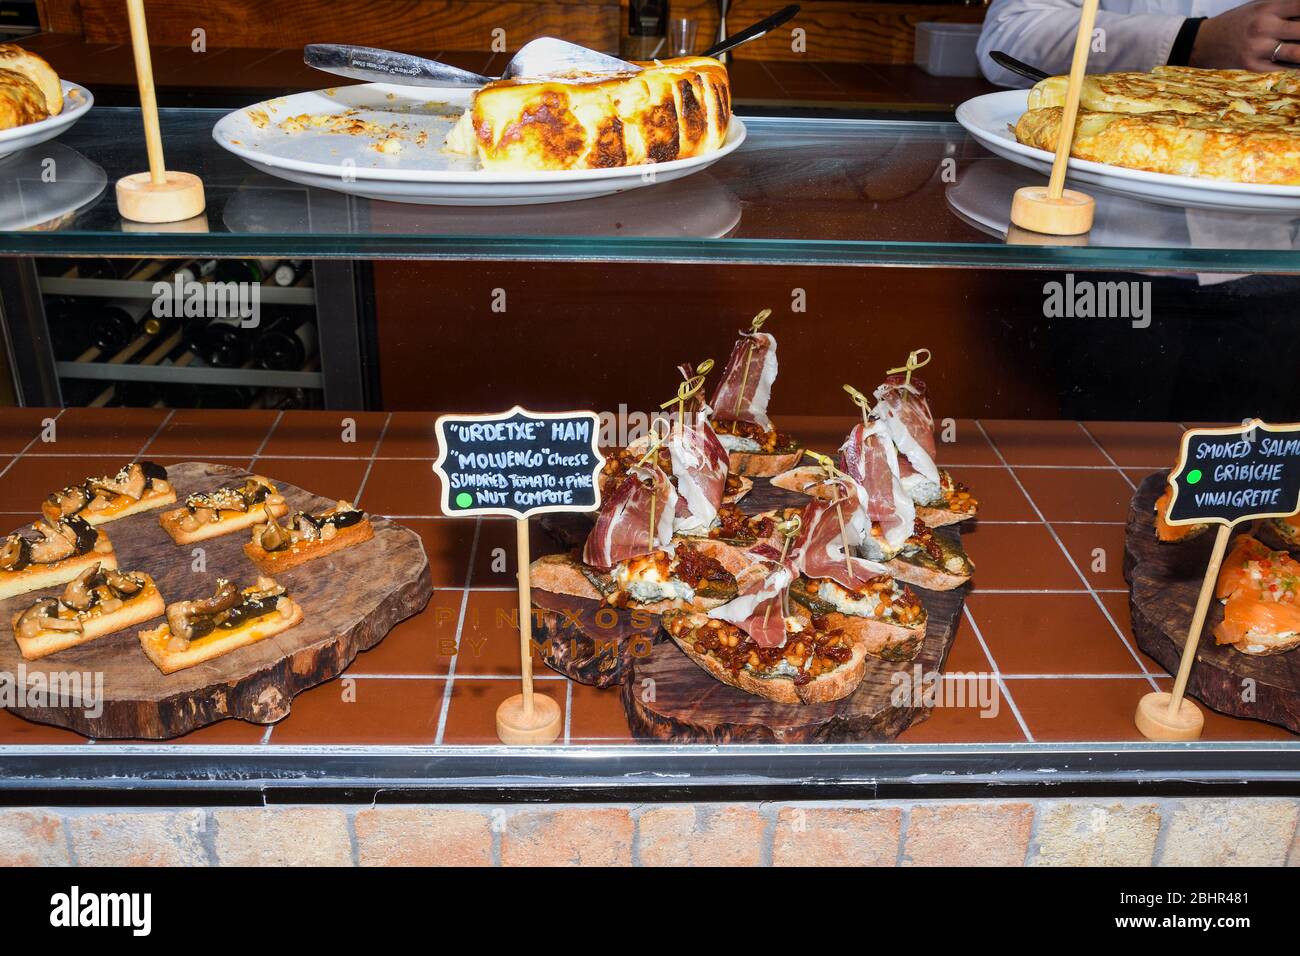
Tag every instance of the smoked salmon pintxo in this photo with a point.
(1261, 613)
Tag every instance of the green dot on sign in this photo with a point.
(1194, 476)
(465, 499)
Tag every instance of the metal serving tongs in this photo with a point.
(545, 56)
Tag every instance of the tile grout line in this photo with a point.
(279, 415)
(1070, 558)
(156, 432)
(371, 463)
(1092, 438)
(997, 674)
(460, 625)
(34, 439)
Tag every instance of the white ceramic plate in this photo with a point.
(77, 102)
(989, 117)
(419, 171)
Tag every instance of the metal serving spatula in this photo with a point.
(545, 56)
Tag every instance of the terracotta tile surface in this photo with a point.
(396, 692)
(324, 433)
(1050, 634)
(1043, 443)
(402, 488)
(1020, 556)
(364, 711)
(196, 434)
(1065, 494)
(1140, 444)
(1083, 541)
(87, 431)
(20, 427)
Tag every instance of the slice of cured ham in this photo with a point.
(870, 458)
(700, 470)
(746, 385)
(759, 608)
(905, 412)
(635, 520)
(824, 548)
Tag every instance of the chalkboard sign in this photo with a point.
(518, 463)
(1227, 475)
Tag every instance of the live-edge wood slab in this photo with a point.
(351, 599)
(1164, 581)
(667, 697)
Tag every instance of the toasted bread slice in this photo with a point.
(37, 576)
(217, 643)
(1280, 534)
(144, 606)
(886, 637)
(1264, 645)
(943, 568)
(563, 574)
(300, 552)
(684, 628)
(228, 520)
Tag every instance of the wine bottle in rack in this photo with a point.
(240, 270)
(69, 322)
(289, 272)
(286, 342)
(224, 343)
(114, 325)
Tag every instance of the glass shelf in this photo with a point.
(799, 191)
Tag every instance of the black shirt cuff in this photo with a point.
(1181, 52)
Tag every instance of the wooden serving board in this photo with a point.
(1164, 581)
(351, 600)
(604, 646)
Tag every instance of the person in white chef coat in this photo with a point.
(1142, 34)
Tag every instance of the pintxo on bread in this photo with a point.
(98, 602)
(1260, 591)
(631, 559)
(277, 546)
(203, 629)
(139, 486)
(59, 553)
(755, 447)
(211, 514)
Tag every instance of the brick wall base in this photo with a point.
(1127, 832)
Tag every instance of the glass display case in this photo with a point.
(1061, 377)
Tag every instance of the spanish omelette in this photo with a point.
(1230, 125)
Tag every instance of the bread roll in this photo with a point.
(17, 60)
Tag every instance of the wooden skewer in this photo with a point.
(158, 195)
(1055, 210)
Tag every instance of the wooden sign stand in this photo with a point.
(526, 718)
(504, 458)
(160, 195)
(1053, 209)
(1171, 716)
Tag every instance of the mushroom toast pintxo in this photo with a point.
(198, 631)
(302, 537)
(671, 109)
(139, 486)
(214, 513)
(61, 551)
(100, 601)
